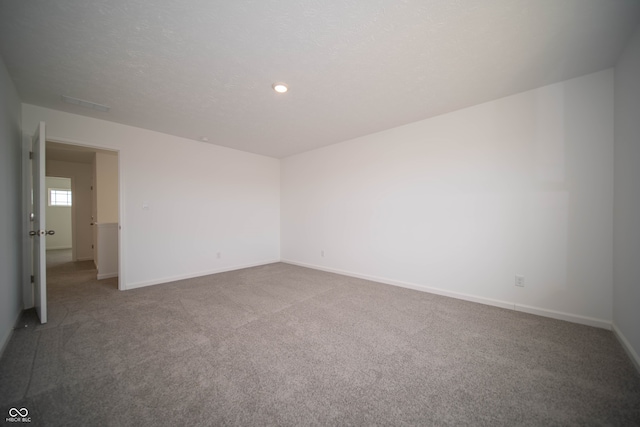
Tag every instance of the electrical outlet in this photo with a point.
(519, 280)
(219, 255)
(322, 253)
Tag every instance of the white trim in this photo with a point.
(574, 318)
(27, 249)
(437, 291)
(635, 358)
(107, 275)
(200, 274)
(68, 141)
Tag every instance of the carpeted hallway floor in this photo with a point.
(285, 345)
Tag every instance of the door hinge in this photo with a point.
(91, 246)
(33, 278)
(30, 155)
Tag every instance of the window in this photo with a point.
(59, 197)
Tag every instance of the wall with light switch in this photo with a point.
(187, 208)
(507, 203)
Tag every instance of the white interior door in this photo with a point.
(38, 231)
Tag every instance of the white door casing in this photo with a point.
(38, 230)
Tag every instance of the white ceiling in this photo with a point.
(354, 67)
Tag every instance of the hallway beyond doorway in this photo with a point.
(63, 274)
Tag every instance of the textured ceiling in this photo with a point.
(205, 68)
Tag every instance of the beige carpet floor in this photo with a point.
(284, 345)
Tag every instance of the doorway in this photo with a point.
(92, 175)
(92, 171)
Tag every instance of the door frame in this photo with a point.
(37, 220)
(27, 289)
(28, 299)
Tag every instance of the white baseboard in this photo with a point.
(467, 297)
(107, 275)
(633, 355)
(136, 285)
(414, 286)
(575, 318)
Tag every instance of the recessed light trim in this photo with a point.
(280, 87)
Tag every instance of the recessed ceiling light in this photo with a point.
(280, 87)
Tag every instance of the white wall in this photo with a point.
(107, 187)
(183, 201)
(461, 203)
(80, 174)
(58, 217)
(11, 207)
(107, 250)
(626, 248)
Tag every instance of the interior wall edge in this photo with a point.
(9, 335)
(163, 280)
(569, 317)
(626, 345)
